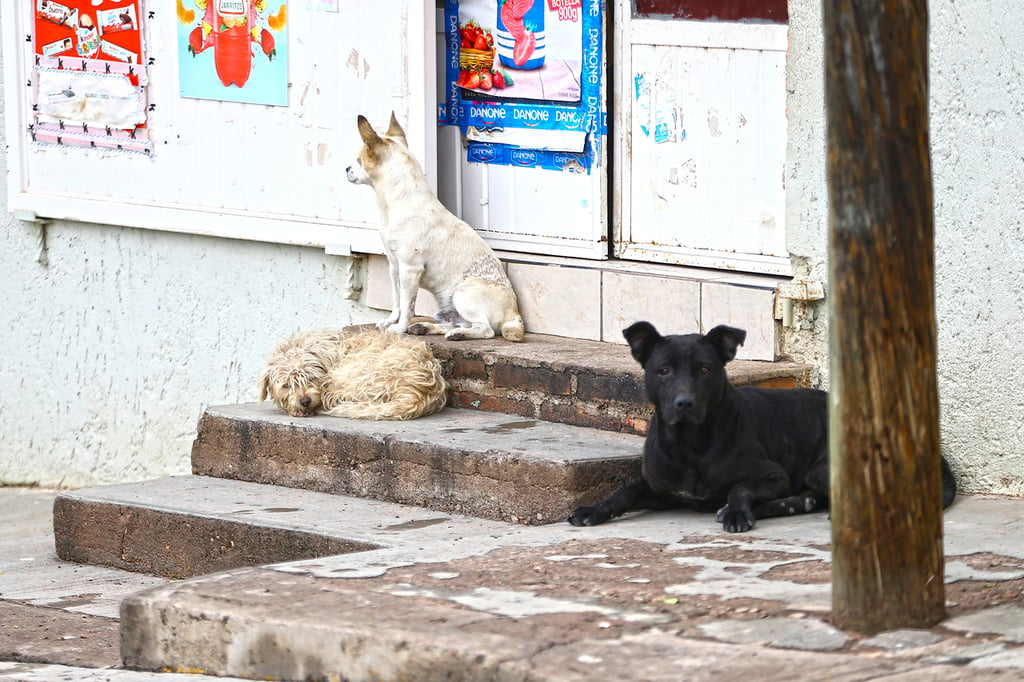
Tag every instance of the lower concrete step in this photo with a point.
(482, 464)
(185, 526)
(661, 596)
(572, 381)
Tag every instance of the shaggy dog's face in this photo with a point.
(294, 382)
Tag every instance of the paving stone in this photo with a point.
(786, 633)
(1005, 621)
(47, 672)
(52, 635)
(897, 640)
(1009, 658)
(966, 654)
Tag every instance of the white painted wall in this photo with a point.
(977, 114)
(111, 348)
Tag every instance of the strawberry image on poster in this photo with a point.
(524, 48)
(512, 13)
(520, 33)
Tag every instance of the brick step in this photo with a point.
(572, 381)
(184, 526)
(484, 464)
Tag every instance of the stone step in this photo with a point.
(477, 463)
(184, 526)
(651, 596)
(572, 381)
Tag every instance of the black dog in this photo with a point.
(748, 453)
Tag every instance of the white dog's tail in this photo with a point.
(513, 330)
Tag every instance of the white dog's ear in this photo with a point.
(395, 131)
(366, 131)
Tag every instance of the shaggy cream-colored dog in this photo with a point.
(384, 376)
(361, 374)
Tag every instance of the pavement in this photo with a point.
(653, 596)
(58, 620)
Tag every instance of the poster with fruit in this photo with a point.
(522, 50)
(233, 50)
(89, 79)
(523, 80)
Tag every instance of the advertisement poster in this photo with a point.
(89, 79)
(523, 80)
(233, 50)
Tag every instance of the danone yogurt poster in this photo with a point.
(233, 50)
(523, 80)
(527, 50)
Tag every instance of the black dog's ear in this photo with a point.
(641, 337)
(726, 340)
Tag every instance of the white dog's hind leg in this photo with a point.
(428, 328)
(474, 312)
(478, 330)
(445, 320)
(513, 330)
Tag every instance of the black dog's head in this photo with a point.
(684, 375)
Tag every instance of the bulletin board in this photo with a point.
(232, 118)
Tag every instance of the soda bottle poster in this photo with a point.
(233, 50)
(523, 80)
(89, 85)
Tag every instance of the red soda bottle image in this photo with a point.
(232, 55)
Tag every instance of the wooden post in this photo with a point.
(887, 564)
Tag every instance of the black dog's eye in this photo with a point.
(665, 371)
(705, 370)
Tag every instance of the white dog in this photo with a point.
(355, 373)
(429, 247)
(384, 376)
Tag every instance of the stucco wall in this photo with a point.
(977, 97)
(112, 346)
(111, 350)
(806, 189)
(977, 114)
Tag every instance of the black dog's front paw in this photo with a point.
(588, 516)
(735, 520)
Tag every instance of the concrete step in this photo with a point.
(458, 461)
(185, 526)
(572, 381)
(659, 596)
